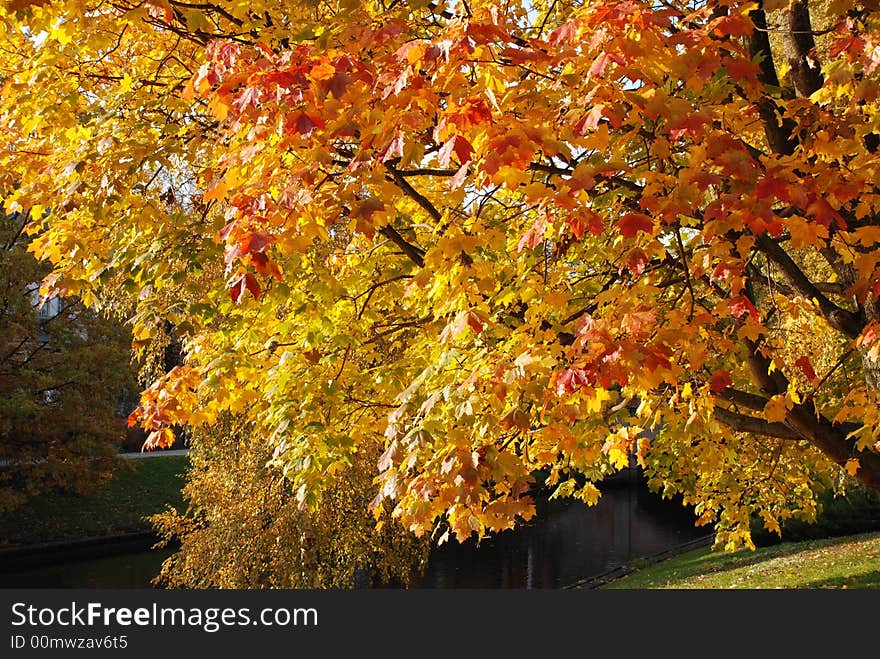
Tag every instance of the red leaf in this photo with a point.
(741, 305)
(689, 125)
(565, 33)
(304, 124)
(585, 221)
(570, 380)
(251, 242)
(475, 322)
(394, 148)
(631, 223)
(770, 186)
(636, 261)
(460, 147)
(597, 68)
(734, 26)
(740, 68)
(242, 283)
(589, 121)
(463, 150)
(339, 83)
(719, 381)
(473, 111)
(265, 266)
(534, 236)
(804, 364)
(368, 207)
(823, 212)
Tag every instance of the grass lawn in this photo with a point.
(121, 506)
(847, 562)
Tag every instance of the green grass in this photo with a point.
(847, 562)
(131, 495)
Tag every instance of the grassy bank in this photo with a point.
(132, 495)
(846, 562)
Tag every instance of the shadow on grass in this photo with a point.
(721, 563)
(863, 580)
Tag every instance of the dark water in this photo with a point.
(566, 543)
(129, 570)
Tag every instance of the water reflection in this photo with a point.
(132, 570)
(567, 542)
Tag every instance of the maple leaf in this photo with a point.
(597, 68)
(584, 221)
(821, 211)
(567, 33)
(733, 26)
(632, 223)
(460, 147)
(241, 283)
(776, 409)
(569, 380)
(740, 306)
(590, 121)
(770, 186)
(265, 266)
(534, 236)
(217, 191)
(394, 148)
(806, 367)
(719, 381)
(636, 261)
(474, 111)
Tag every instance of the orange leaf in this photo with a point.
(631, 223)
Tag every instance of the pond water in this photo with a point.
(566, 543)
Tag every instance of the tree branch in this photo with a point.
(780, 134)
(412, 193)
(415, 254)
(841, 319)
(754, 425)
(744, 399)
(800, 50)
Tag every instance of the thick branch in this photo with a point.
(800, 50)
(780, 134)
(841, 319)
(415, 254)
(754, 425)
(744, 399)
(412, 193)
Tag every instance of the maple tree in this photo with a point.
(503, 238)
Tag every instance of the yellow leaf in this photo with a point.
(219, 107)
(852, 466)
(777, 408)
(61, 34)
(126, 84)
(217, 191)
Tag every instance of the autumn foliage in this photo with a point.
(63, 376)
(501, 238)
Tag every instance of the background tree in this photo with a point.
(499, 237)
(245, 529)
(62, 379)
